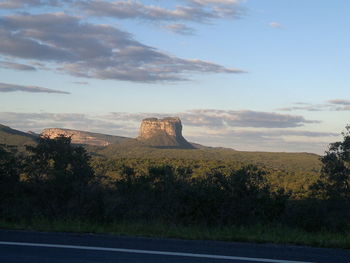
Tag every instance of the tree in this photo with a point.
(60, 176)
(57, 159)
(329, 203)
(10, 167)
(247, 196)
(335, 175)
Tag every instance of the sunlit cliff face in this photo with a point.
(78, 137)
(152, 126)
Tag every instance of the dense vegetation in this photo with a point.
(57, 180)
(293, 172)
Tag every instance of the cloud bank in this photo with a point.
(4, 87)
(91, 50)
(16, 4)
(16, 66)
(244, 118)
(194, 11)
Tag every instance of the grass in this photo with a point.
(257, 233)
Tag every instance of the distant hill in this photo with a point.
(115, 147)
(84, 137)
(14, 137)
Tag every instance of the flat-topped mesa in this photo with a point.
(165, 132)
(152, 126)
(82, 137)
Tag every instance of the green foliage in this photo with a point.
(10, 166)
(56, 159)
(59, 178)
(173, 195)
(335, 175)
(331, 193)
(206, 187)
(295, 182)
(294, 172)
(291, 162)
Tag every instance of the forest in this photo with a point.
(55, 179)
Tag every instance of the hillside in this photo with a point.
(11, 136)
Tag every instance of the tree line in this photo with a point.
(58, 180)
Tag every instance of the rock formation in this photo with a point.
(162, 133)
(165, 133)
(82, 137)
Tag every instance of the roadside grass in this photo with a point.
(276, 234)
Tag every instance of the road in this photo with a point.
(37, 247)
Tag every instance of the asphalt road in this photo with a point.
(34, 247)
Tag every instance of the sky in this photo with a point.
(253, 75)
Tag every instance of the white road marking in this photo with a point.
(151, 252)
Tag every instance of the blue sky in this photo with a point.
(266, 75)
